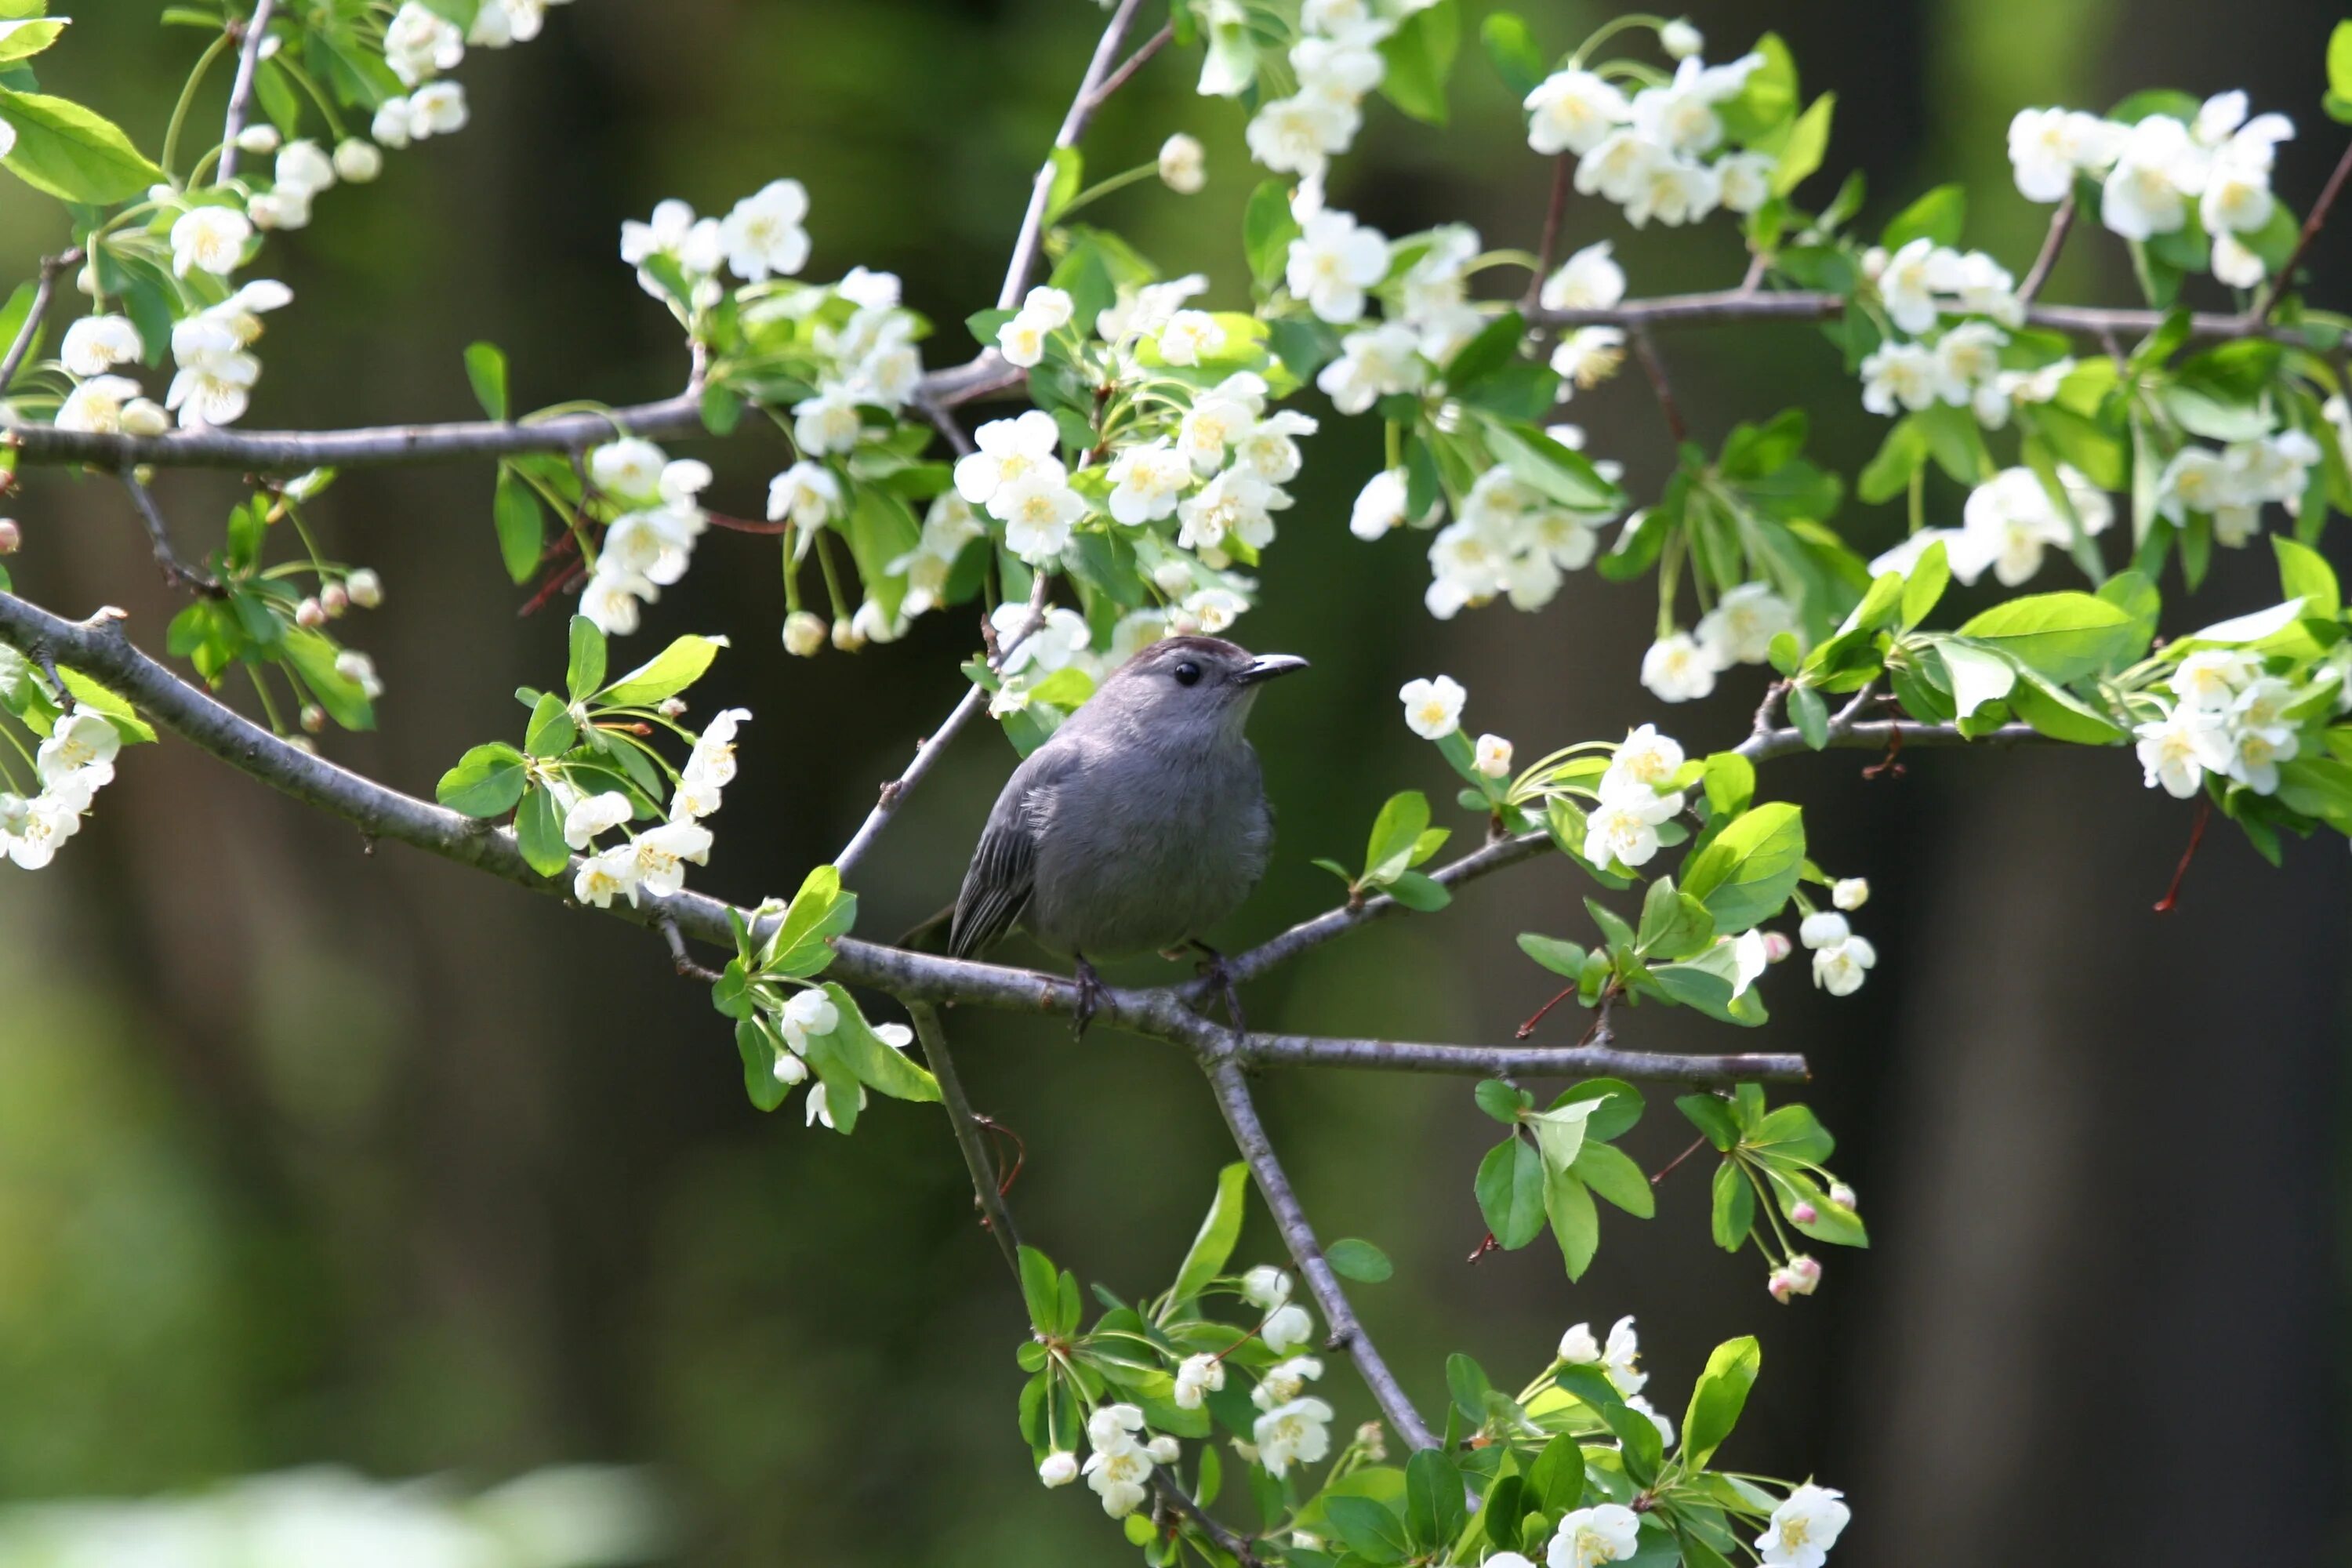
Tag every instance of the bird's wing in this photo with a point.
(1004, 869)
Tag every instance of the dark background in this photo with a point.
(308, 1152)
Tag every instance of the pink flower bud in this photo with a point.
(12, 538)
(1805, 1273)
(314, 718)
(1776, 946)
(334, 599)
(1779, 1285)
(311, 614)
(672, 707)
(1843, 1195)
(1804, 1213)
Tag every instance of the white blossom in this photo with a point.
(1589, 1537)
(1492, 756)
(1589, 280)
(1006, 452)
(1587, 356)
(762, 234)
(1622, 825)
(1146, 480)
(1849, 893)
(1265, 1286)
(96, 406)
(1573, 111)
(829, 422)
(1373, 364)
(419, 43)
(1285, 1327)
(215, 377)
(1333, 261)
(1197, 1377)
(1803, 1528)
(1059, 1468)
(595, 813)
(209, 239)
(1676, 670)
(438, 109)
(1299, 1433)
(1039, 512)
(96, 345)
(2157, 168)
(1286, 1381)
(1120, 1472)
(1741, 627)
(1300, 134)
(1190, 337)
(1184, 165)
(807, 493)
(1645, 760)
(1432, 708)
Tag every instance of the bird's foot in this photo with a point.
(1214, 969)
(1090, 997)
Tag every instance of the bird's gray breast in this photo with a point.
(1145, 847)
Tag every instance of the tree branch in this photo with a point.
(1533, 1061)
(1231, 1087)
(2260, 314)
(176, 572)
(2062, 222)
(45, 287)
(240, 92)
(1653, 365)
(1134, 63)
(987, 1186)
(927, 751)
(1031, 236)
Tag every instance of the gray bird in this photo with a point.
(1138, 824)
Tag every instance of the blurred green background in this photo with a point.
(310, 1152)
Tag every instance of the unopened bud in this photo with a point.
(671, 707)
(1776, 946)
(257, 139)
(334, 599)
(790, 1070)
(86, 279)
(846, 636)
(803, 634)
(1373, 1439)
(144, 416)
(365, 588)
(314, 718)
(1779, 1285)
(1850, 892)
(1804, 1213)
(358, 162)
(1805, 1273)
(1183, 167)
(309, 615)
(1680, 38)
(1164, 1449)
(1843, 1195)
(1058, 1469)
(12, 538)
(303, 744)
(1173, 577)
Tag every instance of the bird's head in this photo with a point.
(1205, 680)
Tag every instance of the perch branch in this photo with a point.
(240, 92)
(1032, 237)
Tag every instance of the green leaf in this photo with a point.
(1403, 820)
(552, 732)
(1640, 1446)
(1556, 1480)
(71, 152)
(1040, 1290)
(1729, 780)
(23, 40)
(1735, 1206)
(1419, 56)
(1371, 1528)
(1711, 1116)
(1267, 229)
(1979, 676)
(1810, 712)
(1575, 1223)
(1510, 1187)
(313, 657)
(1435, 1511)
(1925, 584)
(1718, 1399)
(585, 670)
(1562, 957)
(2305, 574)
(1612, 1173)
(1501, 1100)
(1418, 893)
(2062, 635)
(758, 1049)
(487, 782)
(1808, 143)
(1748, 872)
(514, 511)
(819, 911)
(871, 1057)
(1938, 216)
(2340, 61)
(1467, 1383)
(1352, 1258)
(1070, 175)
(1214, 1245)
(2060, 714)
(539, 832)
(486, 367)
(1536, 459)
(1517, 59)
(665, 675)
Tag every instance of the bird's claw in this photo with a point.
(1218, 972)
(1090, 998)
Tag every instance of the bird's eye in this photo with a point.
(1188, 674)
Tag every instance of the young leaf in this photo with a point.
(514, 512)
(665, 675)
(1715, 1401)
(1420, 56)
(1435, 1511)
(585, 670)
(539, 832)
(487, 782)
(486, 367)
(1748, 872)
(551, 731)
(1040, 1290)
(1352, 1258)
(1735, 1206)
(1612, 1173)
(1562, 957)
(871, 1057)
(1575, 1225)
(1711, 1116)
(2062, 635)
(1395, 831)
(71, 152)
(1510, 1187)
(1214, 1245)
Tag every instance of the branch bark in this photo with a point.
(1231, 1087)
(240, 92)
(1725, 306)
(986, 1184)
(1512, 1062)
(45, 287)
(1031, 236)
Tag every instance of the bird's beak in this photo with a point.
(1265, 667)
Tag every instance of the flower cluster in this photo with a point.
(1682, 666)
(2008, 525)
(1336, 62)
(1839, 958)
(2229, 718)
(2208, 171)
(70, 766)
(1619, 1360)
(1959, 364)
(1635, 795)
(2231, 485)
(1660, 154)
(648, 545)
(655, 861)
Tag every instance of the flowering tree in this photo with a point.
(1131, 499)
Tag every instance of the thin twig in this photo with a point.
(240, 92)
(680, 958)
(176, 572)
(44, 285)
(1696, 1144)
(987, 1189)
(2062, 222)
(927, 751)
(1134, 63)
(2285, 278)
(1728, 306)
(1653, 365)
(1031, 240)
(1532, 1061)
(1548, 247)
(1231, 1087)
(1182, 1501)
